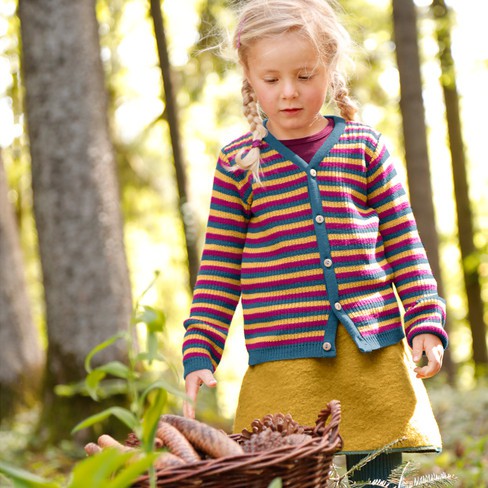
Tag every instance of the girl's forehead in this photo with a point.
(287, 48)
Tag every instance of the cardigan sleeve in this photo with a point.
(217, 290)
(425, 311)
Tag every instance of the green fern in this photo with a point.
(404, 476)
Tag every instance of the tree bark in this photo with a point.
(171, 111)
(415, 138)
(469, 254)
(76, 196)
(22, 356)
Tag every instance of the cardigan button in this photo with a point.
(327, 263)
(326, 346)
(337, 306)
(313, 173)
(319, 219)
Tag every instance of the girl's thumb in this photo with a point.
(208, 379)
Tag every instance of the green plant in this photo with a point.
(147, 398)
(405, 476)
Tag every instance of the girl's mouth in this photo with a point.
(291, 111)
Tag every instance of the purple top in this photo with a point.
(306, 147)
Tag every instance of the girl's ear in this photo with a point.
(245, 70)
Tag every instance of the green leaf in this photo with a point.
(144, 356)
(162, 384)
(127, 476)
(97, 471)
(101, 347)
(151, 418)
(92, 382)
(152, 346)
(154, 319)
(124, 415)
(276, 483)
(23, 479)
(115, 368)
(71, 390)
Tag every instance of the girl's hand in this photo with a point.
(434, 351)
(193, 383)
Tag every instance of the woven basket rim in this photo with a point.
(326, 445)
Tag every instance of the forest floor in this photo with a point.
(462, 418)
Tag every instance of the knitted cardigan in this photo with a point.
(313, 245)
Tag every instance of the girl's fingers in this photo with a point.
(192, 385)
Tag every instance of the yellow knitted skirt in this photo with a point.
(381, 398)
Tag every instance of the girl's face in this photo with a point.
(290, 83)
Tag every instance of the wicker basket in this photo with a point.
(306, 465)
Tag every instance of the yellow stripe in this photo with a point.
(277, 277)
(191, 331)
(384, 323)
(285, 337)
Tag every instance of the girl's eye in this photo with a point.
(305, 77)
(270, 80)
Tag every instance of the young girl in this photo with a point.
(309, 226)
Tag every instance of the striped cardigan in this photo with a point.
(314, 245)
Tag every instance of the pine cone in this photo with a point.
(284, 424)
(263, 441)
(132, 440)
(269, 439)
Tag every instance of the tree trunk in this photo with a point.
(415, 138)
(171, 112)
(470, 260)
(76, 199)
(22, 356)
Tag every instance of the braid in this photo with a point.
(251, 160)
(347, 107)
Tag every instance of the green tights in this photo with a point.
(377, 469)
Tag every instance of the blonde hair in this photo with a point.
(317, 21)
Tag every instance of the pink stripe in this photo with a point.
(216, 201)
(335, 241)
(204, 342)
(286, 342)
(236, 224)
(407, 259)
(212, 253)
(276, 281)
(191, 355)
(408, 241)
(275, 235)
(289, 311)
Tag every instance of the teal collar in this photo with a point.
(339, 126)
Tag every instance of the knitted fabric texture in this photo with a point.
(313, 245)
(381, 398)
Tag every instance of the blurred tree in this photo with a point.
(415, 137)
(469, 253)
(76, 201)
(172, 117)
(22, 356)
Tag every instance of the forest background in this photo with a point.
(106, 165)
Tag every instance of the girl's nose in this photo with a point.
(289, 89)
